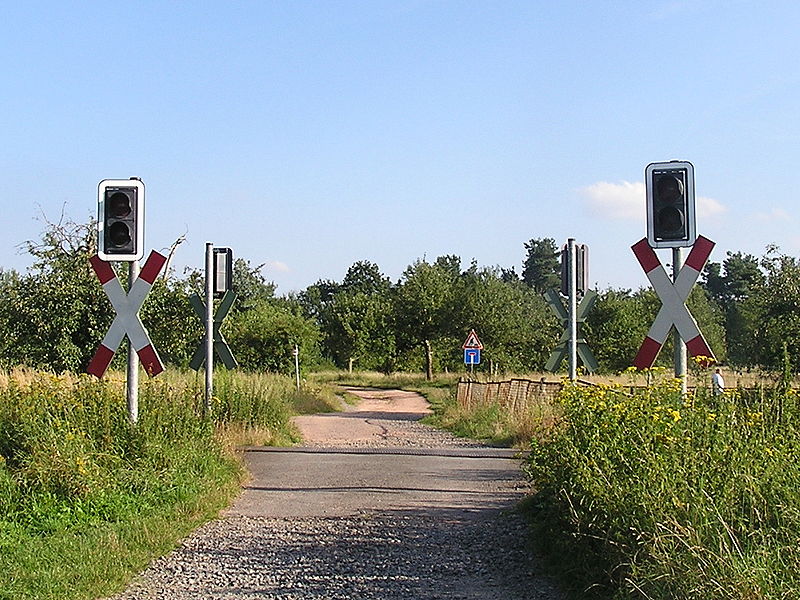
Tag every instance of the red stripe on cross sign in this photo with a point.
(152, 267)
(100, 361)
(699, 255)
(645, 255)
(150, 361)
(699, 347)
(102, 269)
(647, 354)
(673, 297)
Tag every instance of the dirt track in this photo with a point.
(375, 505)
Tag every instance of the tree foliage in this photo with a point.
(542, 267)
(55, 314)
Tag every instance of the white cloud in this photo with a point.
(276, 265)
(773, 216)
(626, 201)
(708, 207)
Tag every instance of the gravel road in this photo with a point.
(375, 505)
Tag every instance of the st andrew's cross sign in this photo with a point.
(127, 321)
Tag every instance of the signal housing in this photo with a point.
(120, 220)
(670, 204)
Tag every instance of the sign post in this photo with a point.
(572, 299)
(132, 381)
(209, 339)
(296, 354)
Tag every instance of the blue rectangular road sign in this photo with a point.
(472, 356)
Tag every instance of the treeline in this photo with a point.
(54, 315)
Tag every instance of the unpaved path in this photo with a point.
(374, 505)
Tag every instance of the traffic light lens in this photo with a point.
(670, 222)
(669, 189)
(119, 234)
(119, 205)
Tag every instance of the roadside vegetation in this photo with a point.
(87, 499)
(655, 495)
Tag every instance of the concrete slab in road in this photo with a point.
(327, 483)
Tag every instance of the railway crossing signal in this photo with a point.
(562, 350)
(220, 345)
(673, 297)
(127, 321)
(120, 219)
(223, 271)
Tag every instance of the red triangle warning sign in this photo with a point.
(472, 341)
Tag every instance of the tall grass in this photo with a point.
(87, 498)
(657, 495)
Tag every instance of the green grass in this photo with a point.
(87, 499)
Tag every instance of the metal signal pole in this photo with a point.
(209, 326)
(572, 299)
(132, 384)
(680, 346)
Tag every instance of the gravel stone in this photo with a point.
(386, 556)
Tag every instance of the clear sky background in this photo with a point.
(308, 135)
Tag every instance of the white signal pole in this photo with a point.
(296, 352)
(132, 384)
(680, 346)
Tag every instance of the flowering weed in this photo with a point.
(652, 494)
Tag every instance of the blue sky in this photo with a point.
(310, 135)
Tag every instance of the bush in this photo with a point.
(656, 495)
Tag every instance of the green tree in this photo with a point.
(365, 277)
(54, 315)
(357, 319)
(174, 327)
(730, 285)
(424, 306)
(617, 324)
(542, 267)
(773, 312)
(262, 338)
(513, 321)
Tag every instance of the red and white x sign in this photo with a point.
(127, 320)
(673, 297)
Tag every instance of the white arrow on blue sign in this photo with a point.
(472, 356)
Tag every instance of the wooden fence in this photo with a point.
(515, 394)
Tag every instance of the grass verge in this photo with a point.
(87, 499)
